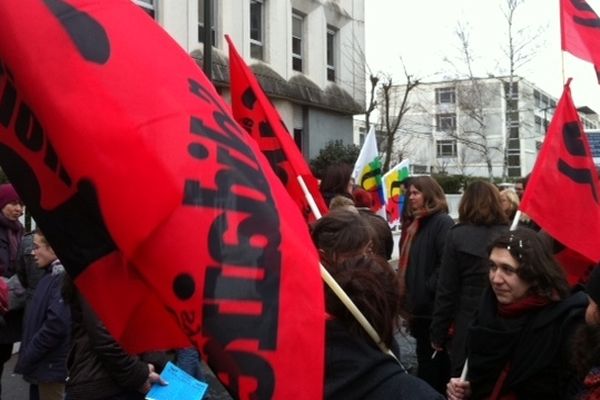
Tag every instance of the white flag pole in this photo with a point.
(515, 221)
(309, 198)
(465, 371)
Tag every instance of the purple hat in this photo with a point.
(8, 195)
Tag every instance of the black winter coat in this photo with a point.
(463, 278)
(424, 262)
(98, 367)
(536, 344)
(356, 369)
(46, 332)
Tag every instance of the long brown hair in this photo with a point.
(369, 282)
(480, 205)
(433, 194)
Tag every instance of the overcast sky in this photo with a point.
(421, 33)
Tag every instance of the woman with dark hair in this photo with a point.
(341, 234)
(337, 182)
(355, 368)
(463, 274)
(421, 247)
(518, 344)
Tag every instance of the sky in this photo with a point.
(421, 33)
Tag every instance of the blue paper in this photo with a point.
(181, 386)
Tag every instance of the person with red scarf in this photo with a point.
(518, 345)
(11, 232)
(422, 244)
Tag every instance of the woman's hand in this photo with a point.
(153, 377)
(437, 347)
(457, 389)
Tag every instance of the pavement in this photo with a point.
(15, 388)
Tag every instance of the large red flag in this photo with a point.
(171, 222)
(253, 110)
(580, 31)
(562, 194)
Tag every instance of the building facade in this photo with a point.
(465, 126)
(308, 56)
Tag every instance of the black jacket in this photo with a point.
(357, 369)
(424, 262)
(463, 278)
(98, 367)
(536, 345)
(46, 332)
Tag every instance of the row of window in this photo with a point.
(257, 33)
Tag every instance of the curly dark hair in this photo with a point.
(537, 266)
(370, 282)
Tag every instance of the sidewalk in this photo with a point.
(13, 386)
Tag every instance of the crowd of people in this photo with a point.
(490, 309)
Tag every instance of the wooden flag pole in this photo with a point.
(339, 292)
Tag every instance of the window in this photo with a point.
(298, 138)
(446, 148)
(148, 6)
(257, 20)
(297, 27)
(515, 90)
(445, 95)
(331, 35)
(446, 122)
(201, 22)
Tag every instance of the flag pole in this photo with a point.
(309, 198)
(515, 221)
(465, 371)
(339, 292)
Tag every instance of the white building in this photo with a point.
(458, 126)
(307, 54)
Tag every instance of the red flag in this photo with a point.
(171, 222)
(253, 110)
(562, 194)
(580, 31)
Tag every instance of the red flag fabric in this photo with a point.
(562, 194)
(253, 110)
(171, 222)
(580, 31)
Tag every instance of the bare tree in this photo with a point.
(473, 97)
(374, 80)
(520, 48)
(394, 106)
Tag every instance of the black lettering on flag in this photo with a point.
(265, 129)
(87, 34)
(249, 98)
(575, 146)
(78, 241)
(572, 139)
(578, 175)
(8, 99)
(590, 20)
(368, 175)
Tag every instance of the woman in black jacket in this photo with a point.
(463, 274)
(99, 369)
(421, 247)
(518, 345)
